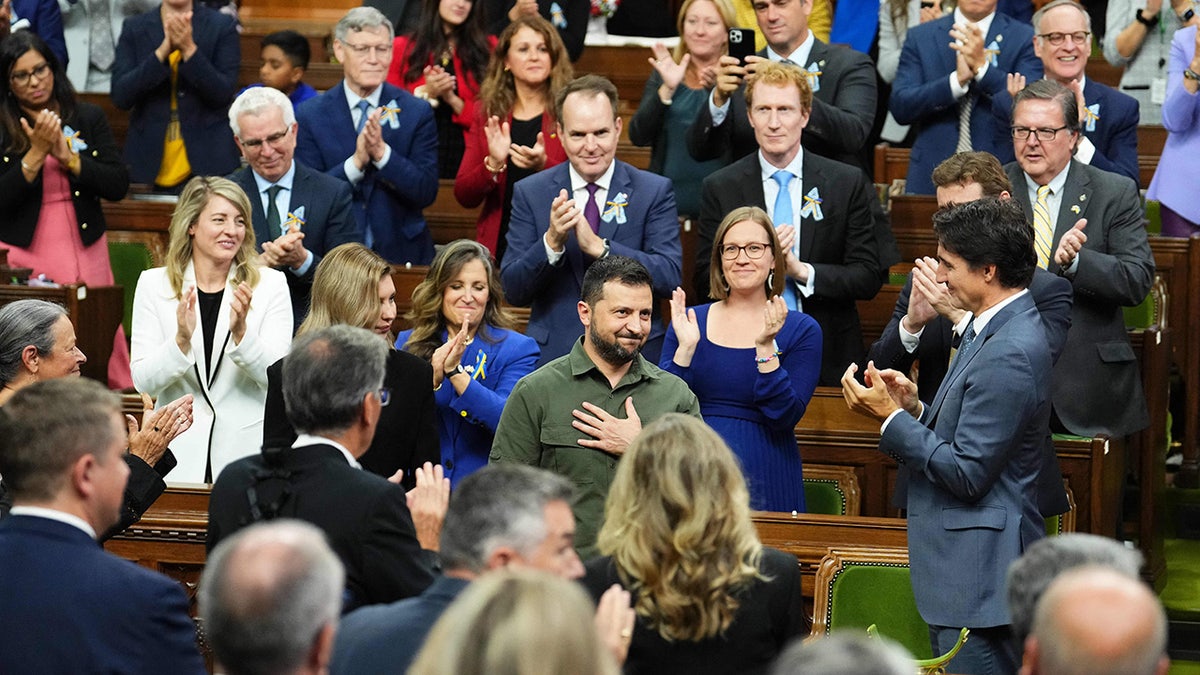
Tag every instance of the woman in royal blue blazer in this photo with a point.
(461, 328)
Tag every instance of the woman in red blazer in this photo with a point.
(442, 61)
(514, 134)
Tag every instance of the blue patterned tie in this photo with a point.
(783, 216)
(964, 347)
(363, 106)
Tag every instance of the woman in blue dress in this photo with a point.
(752, 363)
(461, 327)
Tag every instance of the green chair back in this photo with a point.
(866, 593)
(824, 496)
(128, 261)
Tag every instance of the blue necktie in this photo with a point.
(363, 106)
(964, 347)
(783, 216)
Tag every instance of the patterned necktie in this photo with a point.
(965, 105)
(102, 50)
(273, 222)
(591, 212)
(1043, 230)
(363, 106)
(783, 216)
(964, 347)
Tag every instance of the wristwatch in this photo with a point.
(607, 250)
(1191, 74)
(1149, 23)
(457, 370)
(1187, 16)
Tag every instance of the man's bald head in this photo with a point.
(1095, 621)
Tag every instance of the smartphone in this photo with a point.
(741, 43)
(927, 4)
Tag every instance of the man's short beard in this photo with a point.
(612, 352)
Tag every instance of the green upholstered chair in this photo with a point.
(1056, 525)
(128, 260)
(831, 490)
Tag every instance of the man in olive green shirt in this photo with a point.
(577, 414)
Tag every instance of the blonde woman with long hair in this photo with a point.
(208, 324)
(709, 597)
(353, 286)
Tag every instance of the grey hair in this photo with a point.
(845, 653)
(499, 505)
(361, 18)
(1051, 90)
(256, 101)
(1037, 16)
(24, 323)
(266, 593)
(327, 374)
(1030, 575)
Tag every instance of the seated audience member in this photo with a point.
(353, 287)
(577, 415)
(442, 61)
(827, 215)
(569, 17)
(675, 93)
(333, 388)
(91, 31)
(607, 205)
(844, 653)
(1172, 185)
(69, 606)
(500, 517)
(752, 363)
(378, 138)
(43, 18)
(1095, 621)
(270, 597)
(1029, 575)
(1136, 41)
(514, 134)
(462, 328)
(176, 72)
(299, 214)
(677, 534)
(59, 160)
(37, 342)
(208, 324)
(285, 55)
(516, 622)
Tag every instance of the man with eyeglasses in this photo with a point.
(825, 212)
(378, 138)
(1089, 228)
(1109, 119)
(950, 82)
(332, 384)
(299, 214)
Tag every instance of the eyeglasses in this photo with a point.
(753, 251)
(1078, 37)
(21, 77)
(366, 50)
(385, 396)
(272, 140)
(1022, 133)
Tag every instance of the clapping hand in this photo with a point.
(526, 157)
(161, 427)
(239, 307)
(686, 327)
(448, 356)
(46, 132)
(1016, 82)
(671, 73)
(185, 319)
(774, 316)
(1070, 244)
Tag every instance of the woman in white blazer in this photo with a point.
(209, 324)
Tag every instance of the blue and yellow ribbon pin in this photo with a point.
(992, 53)
(73, 139)
(812, 206)
(814, 76)
(390, 114)
(615, 208)
(1091, 116)
(295, 220)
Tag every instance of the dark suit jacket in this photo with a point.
(973, 459)
(388, 201)
(1097, 386)
(650, 235)
(70, 607)
(365, 517)
(769, 617)
(101, 174)
(921, 94)
(1052, 296)
(406, 436)
(328, 223)
(386, 638)
(843, 112)
(842, 247)
(575, 14)
(207, 83)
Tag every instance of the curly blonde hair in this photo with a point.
(345, 289)
(196, 195)
(498, 91)
(677, 525)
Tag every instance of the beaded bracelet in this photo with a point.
(768, 359)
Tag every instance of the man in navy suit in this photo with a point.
(587, 208)
(69, 606)
(176, 71)
(952, 82)
(842, 81)
(975, 451)
(299, 214)
(378, 138)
